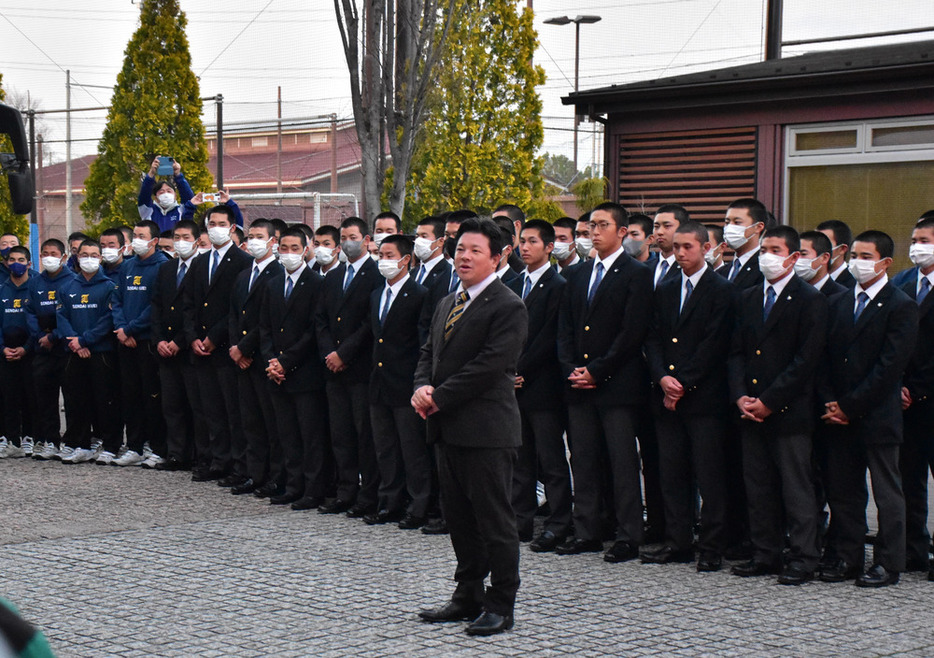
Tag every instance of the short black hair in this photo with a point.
(190, 225)
(115, 233)
(925, 222)
(402, 242)
(295, 232)
(77, 235)
(883, 241)
(616, 211)
(53, 242)
(89, 242)
(151, 225)
(506, 224)
(566, 222)
(484, 226)
(458, 216)
(19, 249)
(696, 229)
(269, 227)
(717, 231)
(676, 209)
(842, 234)
(436, 224)
(786, 233)
(513, 211)
(238, 231)
(927, 214)
(356, 222)
(166, 234)
(819, 241)
(755, 208)
(308, 231)
(221, 209)
(278, 225)
(389, 215)
(329, 231)
(545, 230)
(159, 184)
(644, 222)
(12, 235)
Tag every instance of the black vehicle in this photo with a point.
(16, 165)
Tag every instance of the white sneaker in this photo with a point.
(129, 458)
(44, 450)
(3, 446)
(27, 445)
(105, 458)
(121, 450)
(79, 456)
(63, 451)
(97, 445)
(12, 451)
(147, 451)
(152, 461)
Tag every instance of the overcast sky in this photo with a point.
(247, 50)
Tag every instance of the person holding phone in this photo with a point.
(217, 198)
(157, 200)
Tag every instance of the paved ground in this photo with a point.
(124, 562)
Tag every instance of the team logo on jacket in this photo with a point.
(84, 298)
(17, 303)
(137, 280)
(51, 295)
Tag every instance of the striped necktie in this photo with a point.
(456, 312)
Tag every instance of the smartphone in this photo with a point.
(165, 166)
(210, 197)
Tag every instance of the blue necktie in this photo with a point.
(382, 316)
(664, 270)
(253, 277)
(215, 261)
(455, 280)
(735, 270)
(596, 282)
(862, 299)
(288, 286)
(349, 277)
(181, 274)
(421, 274)
(527, 287)
(769, 303)
(925, 289)
(688, 289)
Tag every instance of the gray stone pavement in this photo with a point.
(125, 562)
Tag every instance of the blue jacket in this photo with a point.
(116, 274)
(151, 210)
(14, 330)
(905, 275)
(132, 305)
(85, 312)
(45, 298)
(238, 216)
(5, 271)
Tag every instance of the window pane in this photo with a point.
(834, 139)
(889, 197)
(903, 136)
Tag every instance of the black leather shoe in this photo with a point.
(307, 502)
(207, 475)
(451, 611)
(336, 506)
(741, 551)
(244, 487)
(575, 546)
(794, 576)
(284, 499)
(525, 536)
(231, 480)
(708, 562)
(489, 623)
(411, 522)
(545, 542)
(838, 571)
(877, 576)
(621, 551)
(381, 517)
(435, 527)
(752, 568)
(360, 511)
(268, 489)
(666, 554)
(172, 464)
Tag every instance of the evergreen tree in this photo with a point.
(155, 110)
(484, 127)
(10, 222)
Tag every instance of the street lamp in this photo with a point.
(565, 20)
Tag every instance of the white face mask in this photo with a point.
(166, 200)
(140, 246)
(292, 262)
(374, 258)
(563, 250)
(324, 256)
(921, 255)
(219, 235)
(772, 266)
(584, 246)
(184, 248)
(863, 271)
(257, 247)
(423, 249)
(379, 237)
(735, 236)
(110, 255)
(804, 268)
(127, 250)
(342, 257)
(712, 255)
(203, 250)
(89, 265)
(390, 268)
(51, 264)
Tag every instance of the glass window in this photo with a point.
(903, 136)
(830, 139)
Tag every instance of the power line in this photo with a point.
(245, 27)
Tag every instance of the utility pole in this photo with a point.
(69, 223)
(333, 154)
(219, 103)
(279, 145)
(773, 30)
